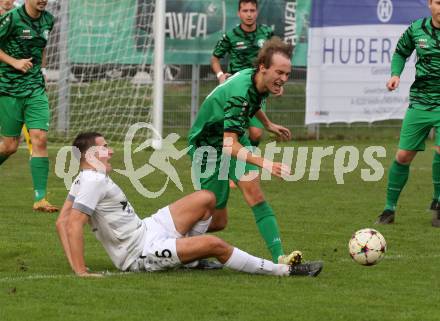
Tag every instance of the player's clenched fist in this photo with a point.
(393, 83)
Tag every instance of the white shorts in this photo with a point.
(159, 251)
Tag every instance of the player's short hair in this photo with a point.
(273, 46)
(85, 140)
(255, 2)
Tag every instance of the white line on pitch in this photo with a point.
(54, 276)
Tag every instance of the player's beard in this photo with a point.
(41, 6)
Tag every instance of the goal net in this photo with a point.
(99, 66)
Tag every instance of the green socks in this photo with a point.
(40, 171)
(268, 227)
(436, 175)
(3, 158)
(397, 178)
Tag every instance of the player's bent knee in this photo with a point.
(253, 194)
(10, 148)
(39, 139)
(255, 136)
(217, 245)
(208, 198)
(405, 157)
(218, 224)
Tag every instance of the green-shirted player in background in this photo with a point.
(242, 45)
(6, 6)
(23, 36)
(223, 120)
(423, 114)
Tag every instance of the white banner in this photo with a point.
(349, 65)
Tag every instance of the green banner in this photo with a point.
(119, 32)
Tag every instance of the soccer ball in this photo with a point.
(367, 246)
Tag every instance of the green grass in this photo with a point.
(317, 217)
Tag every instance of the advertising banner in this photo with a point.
(121, 32)
(350, 47)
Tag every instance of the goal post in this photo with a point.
(105, 60)
(159, 49)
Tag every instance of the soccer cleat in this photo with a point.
(204, 264)
(435, 207)
(44, 206)
(306, 269)
(387, 217)
(290, 259)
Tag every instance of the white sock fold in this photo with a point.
(200, 227)
(244, 262)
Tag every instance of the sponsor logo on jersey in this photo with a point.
(423, 43)
(240, 45)
(26, 34)
(46, 34)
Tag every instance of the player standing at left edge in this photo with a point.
(6, 6)
(23, 100)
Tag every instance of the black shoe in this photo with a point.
(204, 264)
(387, 217)
(306, 269)
(435, 208)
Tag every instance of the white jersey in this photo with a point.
(113, 220)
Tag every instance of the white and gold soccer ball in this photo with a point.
(367, 246)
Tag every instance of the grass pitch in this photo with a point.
(317, 217)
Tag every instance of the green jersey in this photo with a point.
(23, 37)
(422, 36)
(242, 46)
(228, 108)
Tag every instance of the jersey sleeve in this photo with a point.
(87, 194)
(52, 22)
(405, 47)
(222, 47)
(235, 114)
(270, 32)
(5, 26)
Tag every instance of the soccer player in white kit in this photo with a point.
(172, 236)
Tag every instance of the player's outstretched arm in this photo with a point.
(283, 133)
(232, 146)
(61, 225)
(75, 234)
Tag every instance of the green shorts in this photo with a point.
(255, 122)
(416, 127)
(219, 172)
(16, 111)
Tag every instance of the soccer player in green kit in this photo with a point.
(23, 36)
(222, 121)
(423, 114)
(242, 44)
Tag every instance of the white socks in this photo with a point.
(244, 262)
(200, 227)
